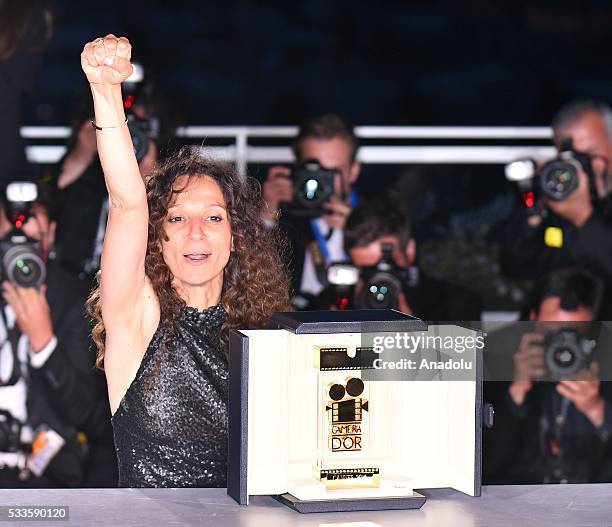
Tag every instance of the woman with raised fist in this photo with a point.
(186, 258)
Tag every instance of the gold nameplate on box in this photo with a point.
(348, 478)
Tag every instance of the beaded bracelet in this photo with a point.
(106, 128)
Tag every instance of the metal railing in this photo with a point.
(242, 152)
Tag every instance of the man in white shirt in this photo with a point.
(316, 242)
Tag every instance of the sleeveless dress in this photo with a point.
(171, 426)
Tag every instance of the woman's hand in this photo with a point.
(106, 61)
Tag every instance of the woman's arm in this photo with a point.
(106, 63)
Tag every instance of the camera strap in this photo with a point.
(320, 252)
(556, 443)
(560, 408)
(319, 249)
(12, 337)
(321, 241)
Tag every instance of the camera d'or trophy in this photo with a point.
(345, 436)
(344, 424)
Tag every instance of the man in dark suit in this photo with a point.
(55, 427)
(377, 222)
(316, 242)
(576, 231)
(553, 402)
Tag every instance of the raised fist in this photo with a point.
(106, 61)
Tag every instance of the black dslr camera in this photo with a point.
(313, 186)
(566, 352)
(555, 180)
(382, 283)
(142, 130)
(21, 261)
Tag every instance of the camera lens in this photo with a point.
(27, 272)
(567, 352)
(564, 357)
(558, 180)
(310, 189)
(313, 187)
(24, 266)
(379, 292)
(382, 292)
(310, 192)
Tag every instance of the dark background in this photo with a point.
(476, 62)
(493, 62)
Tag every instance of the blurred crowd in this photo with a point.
(344, 251)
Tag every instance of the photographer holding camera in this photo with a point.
(83, 194)
(553, 417)
(378, 239)
(313, 201)
(566, 217)
(54, 415)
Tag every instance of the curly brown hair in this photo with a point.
(255, 280)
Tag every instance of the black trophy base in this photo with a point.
(347, 505)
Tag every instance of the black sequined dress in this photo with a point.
(171, 426)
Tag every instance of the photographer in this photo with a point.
(314, 230)
(381, 225)
(553, 414)
(54, 415)
(83, 195)
(574, 230)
